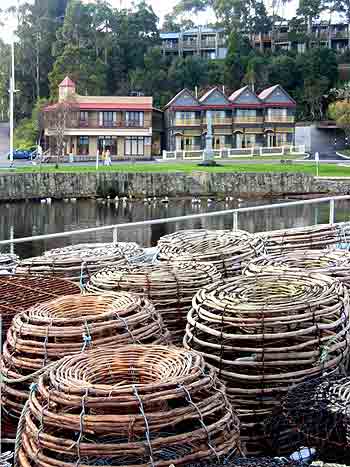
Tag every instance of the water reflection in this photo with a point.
(31, 218)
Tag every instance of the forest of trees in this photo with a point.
(113, 52)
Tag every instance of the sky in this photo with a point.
(161, 8)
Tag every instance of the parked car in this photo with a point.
(21, 154)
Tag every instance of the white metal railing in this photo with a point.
(197, 154)
(234, 212)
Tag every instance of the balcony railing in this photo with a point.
(110, 124)
(282, 37)
(279, 119)
(187, 122)
(170, 45)
(239, 119)
(208, 44)
(190, 44)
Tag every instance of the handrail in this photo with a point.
(234, 212)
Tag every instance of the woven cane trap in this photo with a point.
(302, 238)
(137, 405)
(170, 287)
(21, 292)
(69, 325)
(335, 263)
(77, 262)
(266, 333)
(227, 250)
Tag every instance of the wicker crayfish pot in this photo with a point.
(137, 405)
(335, 263)
(19, 293)
(170, 287)
(69, 325)
(227, 250)
(266, 333)
(78, 262)
(302, 238)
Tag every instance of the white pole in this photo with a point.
(97, 156)
(317, 160)
(12, 91)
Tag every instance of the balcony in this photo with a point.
(170, 45)
(239, 119)
(208, 44)
(187, 122)
(190, 44)
(282, 37)
(110, 124)
(219, 121)
(279, 119)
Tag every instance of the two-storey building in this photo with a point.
(128, 126)
(242, 120)
(205, 42)
(335, 36)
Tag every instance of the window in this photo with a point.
(134, 118)
(246, 113)
(281, 139)
(249, 141)
(245, 140)
(185, 116)
(84, 118)
(134, 145)
(108, 119)
(83, 145)
(278, 114)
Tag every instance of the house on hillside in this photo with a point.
(204, 42)
(241, 120)
(130, 127)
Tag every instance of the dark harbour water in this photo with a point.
(33, 218)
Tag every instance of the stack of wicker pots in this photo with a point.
(78, 262)
(69, 325)
(170, 287)
(227, 250)
(266, 333)
(136, 405)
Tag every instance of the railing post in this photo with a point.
(115, 235)
(235, 221)
(331, 211)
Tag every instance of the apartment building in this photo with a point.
(334, 36)
(204, 42)
(128, 126)
(241, 120)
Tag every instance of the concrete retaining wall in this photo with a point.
(65, 185)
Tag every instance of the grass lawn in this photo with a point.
(331, 170)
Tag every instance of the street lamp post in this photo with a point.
(12, 92)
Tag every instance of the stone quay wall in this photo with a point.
(22, 186)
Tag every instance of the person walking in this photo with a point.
(108, 157)
(103, 156)
(71, 154)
